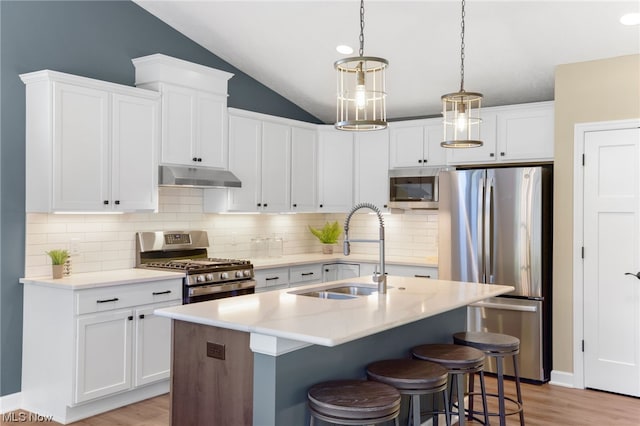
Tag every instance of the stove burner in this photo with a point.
(208, 264)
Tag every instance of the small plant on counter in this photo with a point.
(58, 256)
(328, 234)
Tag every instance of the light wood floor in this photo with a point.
(544, 405)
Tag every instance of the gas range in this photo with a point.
(186, 251)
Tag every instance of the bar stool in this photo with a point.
(458, 360)
(353, 402)
(413, 378)
(498, 346)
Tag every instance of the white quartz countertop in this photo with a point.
(328, 322)
(103, 278)
(337, 256)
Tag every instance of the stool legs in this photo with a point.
(518, 391)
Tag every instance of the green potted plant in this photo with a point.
(328, 235)
(58, 259)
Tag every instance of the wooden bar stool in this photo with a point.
(458, 360)
(413, 378)
(498, 346)
(353, 402)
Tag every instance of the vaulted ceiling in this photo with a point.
(512, 47)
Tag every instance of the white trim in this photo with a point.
(273, 346)
(561, 378)
(10, 402)
(578, 237)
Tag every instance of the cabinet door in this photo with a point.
(211, 133)
(135, 137)
(484, 154)
(304, 170)
(81, 148)
(335, 180)
(435, 155)
(526, 134)
(178, 114)
(245, 136)
(406, 146)
(153, 345)
(371, 168)
(103, 353)
(271, 279)
(276, 167)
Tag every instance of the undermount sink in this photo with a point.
(344, 291)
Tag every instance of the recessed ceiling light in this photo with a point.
(344, 49)
(630, 19)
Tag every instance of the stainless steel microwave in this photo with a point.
(413, 188)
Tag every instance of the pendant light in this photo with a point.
(461, 110)
(361, 98)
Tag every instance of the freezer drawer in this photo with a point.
(518, 318)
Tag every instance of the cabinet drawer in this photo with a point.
(123, 296)
(305, 273)
(272, 277)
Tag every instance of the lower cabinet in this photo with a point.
(305, 274)
(271, 279)
(91, 350)
(339, 271)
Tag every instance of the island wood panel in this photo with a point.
(207, 390)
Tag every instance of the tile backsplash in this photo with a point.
(107, 242)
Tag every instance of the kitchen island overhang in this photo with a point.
(290, 341)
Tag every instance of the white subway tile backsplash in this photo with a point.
(107, 242)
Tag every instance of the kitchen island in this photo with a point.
(251, 359)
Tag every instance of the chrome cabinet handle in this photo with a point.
(634, 275)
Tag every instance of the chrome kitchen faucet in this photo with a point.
(378, 277)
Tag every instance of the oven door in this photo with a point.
(204, 292)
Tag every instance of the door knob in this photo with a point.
(632, 274)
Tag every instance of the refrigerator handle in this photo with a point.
(488, 231)
(481, 250)
(504, 306)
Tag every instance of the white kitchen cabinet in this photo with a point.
(91, 146)
(259, 155)
(487, 153)
(526, 132)
(304, 169)
(416, 143)
(335, 173)
(86, 351)
(339, 271)
(411, 271)
(194, 109)
(305, 274)
(271, 279)
(371, 168)
(194, 126)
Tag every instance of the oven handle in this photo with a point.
(221, 288)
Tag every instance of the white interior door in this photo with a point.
(612, 248)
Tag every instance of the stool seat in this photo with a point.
(362, 400)
(458, 360)
(408, 374)
(451, 357)
(488, 342)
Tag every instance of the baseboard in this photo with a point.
(561, 378)
(10, 402)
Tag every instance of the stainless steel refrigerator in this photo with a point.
(495, 226)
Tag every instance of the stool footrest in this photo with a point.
(517, 410)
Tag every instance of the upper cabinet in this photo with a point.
(335, 173)
(194, 110)
(371, 168)
(304, 169)
(416, 143)
(512, 134)
(91, 146)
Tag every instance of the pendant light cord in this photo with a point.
(461, 49)
(361, 27)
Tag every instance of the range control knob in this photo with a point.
(200, 278)
(224, 275)
(209, 277)
(239, 274)
(247, 273)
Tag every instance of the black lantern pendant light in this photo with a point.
(361, 98)
(461, 110)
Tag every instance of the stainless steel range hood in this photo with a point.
(201, 177)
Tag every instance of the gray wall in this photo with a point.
(94, 39)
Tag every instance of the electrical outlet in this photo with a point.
(215, 350)
(74, 246)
